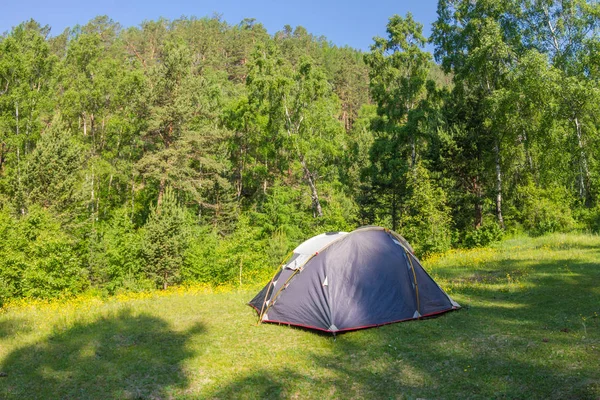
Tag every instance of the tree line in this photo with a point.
(193, 150)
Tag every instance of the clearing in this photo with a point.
(529, 329)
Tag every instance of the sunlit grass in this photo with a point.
(529, 329)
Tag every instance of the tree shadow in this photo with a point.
(126, 356)
(262, 384)
(424, 359)
(515, 339)
(561, 284)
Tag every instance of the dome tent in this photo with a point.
(340, 281)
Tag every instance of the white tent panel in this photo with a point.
(316, 243)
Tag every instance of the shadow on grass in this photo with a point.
(523, 343)
(567, 245)
(556, 241)
(126, 356)
(262, 384)
(563, 286)
(11, 327)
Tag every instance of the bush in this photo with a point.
(201, 261)
(546, 210)
(37, 258)
(242, 256)
(589, 218)
(484, 235)
(121, 255)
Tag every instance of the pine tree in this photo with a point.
(165, 240)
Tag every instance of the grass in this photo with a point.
(529, 329)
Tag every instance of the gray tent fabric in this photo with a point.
(365, 278)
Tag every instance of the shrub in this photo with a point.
(242, 256)
(546, 210)
(484, 235)
(201, 261)
(589, 218)
(37, 258)
(121, 255)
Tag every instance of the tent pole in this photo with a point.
(415, 280)
(271, 285)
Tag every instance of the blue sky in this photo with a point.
(352, 22)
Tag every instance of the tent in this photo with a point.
(341, 281)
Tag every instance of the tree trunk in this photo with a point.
(317, 210)
(28, 129)
(478, 204)
(1, 157)
(478, 214)
(584, 172)
(413, 141)
(92, 198)
(93, 132)
(20, 187)
(17, 116)
(527, 153)
(110, 183)
(498, 184)
(240, 182)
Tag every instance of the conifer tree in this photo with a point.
(165, 240)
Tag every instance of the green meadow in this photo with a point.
(529, 328)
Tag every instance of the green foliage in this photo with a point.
(202, 263)
(425, 220)
(122, 256)
(283, 211)
(268, 140)
(398, 73)
(546, 210)
(166, 236)
(37, 258)
(244, 256)
(399, 67)
(484, 235)
(340, 210)
(27, 68)
(589, 218)
(52, 175)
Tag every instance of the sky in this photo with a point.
(350, 22)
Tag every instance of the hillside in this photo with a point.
(198, 151)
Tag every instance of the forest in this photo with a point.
(195, 151)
